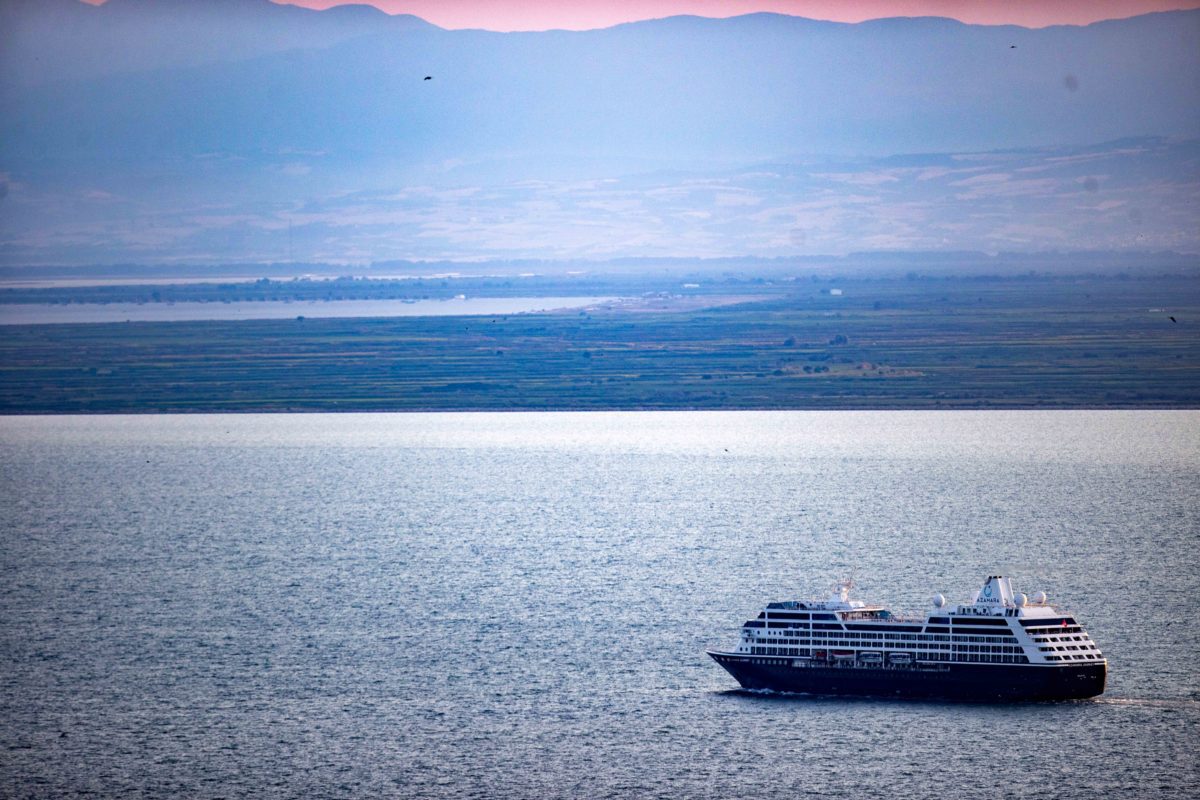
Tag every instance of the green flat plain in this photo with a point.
(930, 343)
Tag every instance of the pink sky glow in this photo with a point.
(533, 15)
(513, 15)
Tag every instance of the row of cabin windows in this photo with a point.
(998, 621)
(848, 643)
(1047, 631)
(1069, 647)
(991, 658)
(1040, 639)
(873, 616)
(860, 616)
(864, 630)
(901, 637)
(1053, 621)
(983, 648)
(1068, 657)
(964, 648)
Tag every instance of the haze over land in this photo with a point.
(245, 131)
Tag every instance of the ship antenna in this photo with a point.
(841, 589)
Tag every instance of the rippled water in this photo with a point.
(45, 313)
(516, 605)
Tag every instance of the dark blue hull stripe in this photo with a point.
(945, 681)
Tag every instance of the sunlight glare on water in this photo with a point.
(517, 605)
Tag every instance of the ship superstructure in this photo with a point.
(1001, 646)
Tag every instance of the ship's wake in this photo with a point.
(1177, 703)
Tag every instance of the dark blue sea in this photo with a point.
(517, 605)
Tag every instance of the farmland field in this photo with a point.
(1085, 342)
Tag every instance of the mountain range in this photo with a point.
(118, 114)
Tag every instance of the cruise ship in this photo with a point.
(1000, 647)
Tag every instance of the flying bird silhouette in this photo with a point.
(428, 77)
(1173, 320)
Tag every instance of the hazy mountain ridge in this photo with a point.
(314, 135)
(45, 41)
(745, 87)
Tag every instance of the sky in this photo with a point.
(513, 15)
(532, 15)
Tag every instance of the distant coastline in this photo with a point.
(718, 342)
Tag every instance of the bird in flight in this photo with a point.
(428, 77)
(1173, 320)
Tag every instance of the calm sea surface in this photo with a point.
(44, 313)
(517, 605)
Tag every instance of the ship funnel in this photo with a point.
(996, 592)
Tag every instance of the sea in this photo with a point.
(517, 605)
(75, 313)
